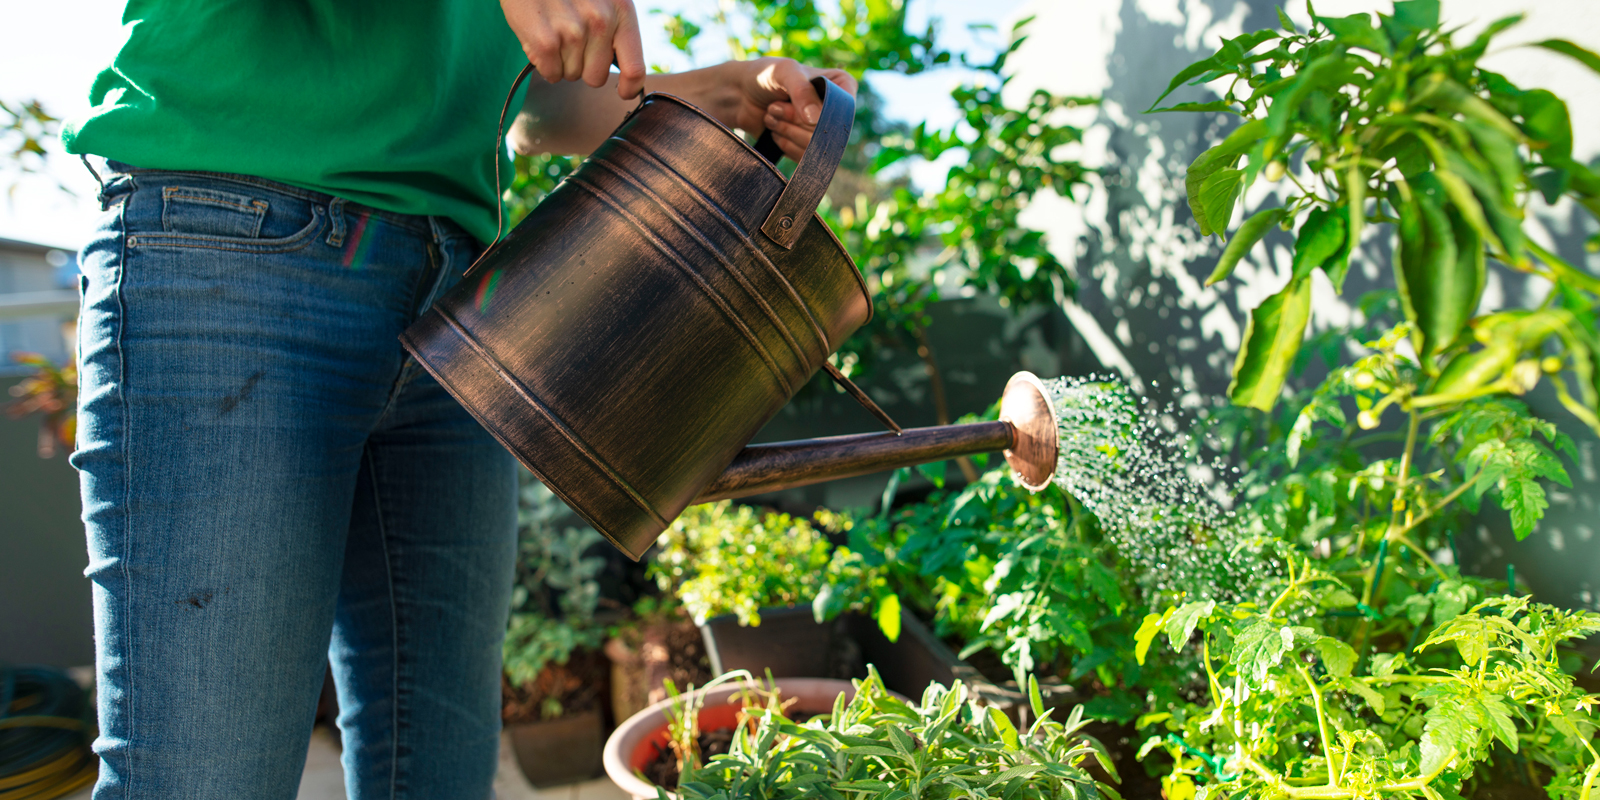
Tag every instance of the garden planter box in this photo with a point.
(559, 751)
(640, 739)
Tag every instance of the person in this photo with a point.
(269, 484)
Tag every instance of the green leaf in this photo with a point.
(1021, 771)
(1545, 119)
(888, 616)
(1002, 725)
(1440, 271)
(1336, 656)
(1218, 194)
(1214, 105)
(1283, 20)
(1227, 58)
(1146, 634)
(1566, 48)
(1258, 647)
(1526, 501)
(1271, 340)
(1446, 730)
(1035, 701)
(1414, 16)
(1222, 156)
(1321, 237)
(1497, 719)
(1374, 700)
(1248, 234)
(1180, 626)
(1356, 30)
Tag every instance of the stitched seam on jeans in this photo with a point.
(127, 492)
(295, 241)
(394, 627)
(175, 193)
(408, 221)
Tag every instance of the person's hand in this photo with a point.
(775, 94)
(570, 40)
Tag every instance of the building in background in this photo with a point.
(38, 301)
(44, 597)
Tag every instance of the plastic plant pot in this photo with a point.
(639, 740)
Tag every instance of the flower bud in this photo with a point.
(1274, 171)
(1363, 380)
(1550, 364)
(1367, 420)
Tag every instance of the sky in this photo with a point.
(51, 51)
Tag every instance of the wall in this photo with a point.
(44, 597)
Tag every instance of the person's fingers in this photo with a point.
(792, 139)
(597, 32)
(795, 82)
(569, 26)
(843, 80)
(629, 51)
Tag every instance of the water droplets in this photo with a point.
(1169, 515)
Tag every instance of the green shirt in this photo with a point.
(389, 103)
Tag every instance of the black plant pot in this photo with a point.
(560, 751)
(790, 643)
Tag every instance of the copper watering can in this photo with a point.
(635, 331)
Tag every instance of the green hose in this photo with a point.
(44, 735)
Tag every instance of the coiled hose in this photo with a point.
(44, 735)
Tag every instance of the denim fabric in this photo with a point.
(268, 481)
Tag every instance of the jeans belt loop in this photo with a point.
(336, 217)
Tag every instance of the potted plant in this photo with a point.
(875, 744)
(556, 678)
(648, 752)
(761, 587)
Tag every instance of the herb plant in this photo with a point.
(877, 746)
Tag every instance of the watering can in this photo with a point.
(630, 336)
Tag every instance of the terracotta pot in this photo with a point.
(559, 751)
(639, 739)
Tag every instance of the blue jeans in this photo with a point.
(270, 482)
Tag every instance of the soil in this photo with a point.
(663, 771)
(579, 685)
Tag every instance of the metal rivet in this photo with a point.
(786, 223)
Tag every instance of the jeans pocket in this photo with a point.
(242, 244)
(211, 212)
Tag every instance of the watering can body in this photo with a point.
(640, 326)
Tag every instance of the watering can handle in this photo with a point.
(815, 171)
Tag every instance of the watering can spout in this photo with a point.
(1026, 432)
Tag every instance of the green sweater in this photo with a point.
(389, 103)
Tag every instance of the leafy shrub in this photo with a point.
(722, 558)
(1377, 669)
(554, 600)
